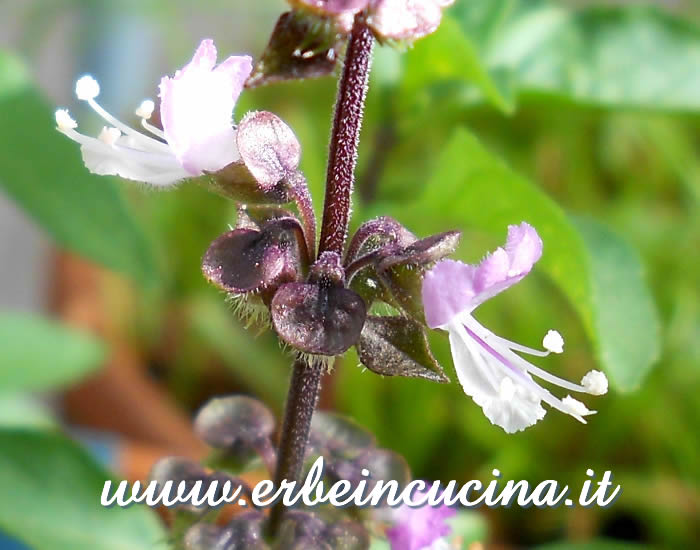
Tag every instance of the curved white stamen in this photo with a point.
(518, 361)
(145, 110)
(517, 376)
(64, 121)
(109, 135)
(576, 407)
(144, 141)
(595, 382)
(87, 88)
(517, 347)
(84, 87)
(553, 342)
(155, 131)
(502, 359)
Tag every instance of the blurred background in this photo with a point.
(579, 117)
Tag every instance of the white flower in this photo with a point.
(488, 367)
(198, 135)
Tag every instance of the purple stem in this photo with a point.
(347, 122)
(305, 385)
(304, 389)
(300, 193)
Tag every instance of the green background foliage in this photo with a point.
(578, 117)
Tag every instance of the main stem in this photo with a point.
(303, 394)
(305, 385)
(347, 122)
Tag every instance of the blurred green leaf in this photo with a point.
(472, 187)
(449, 54)
(39, 354)
(51, 498)
(625, 316)
(18, 410)
(631, 56)
(41, 170)
(263, 369)
(468, 527)
(13, 75)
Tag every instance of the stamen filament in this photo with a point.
(520, 362)
(155, 131)
(146, 141)
(517, 374)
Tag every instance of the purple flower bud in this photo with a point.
(226, 421)
(299, 48)
(268, 147)
(246, 260)
(318, 319)
(389, 19)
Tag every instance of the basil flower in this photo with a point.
(490, 371)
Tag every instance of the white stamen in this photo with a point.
(576, 407)
(109, 135)
(64, 121)
(87, 88)
(595, 382)
(553, 342)
(145, 110)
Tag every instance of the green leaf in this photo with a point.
(41, 170)
(471, 187)
(468, 527)
(19, 410)
(450, 55)
(39, 354)
(625, 316)
(631, 56)
(51, 498)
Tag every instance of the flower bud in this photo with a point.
(316, 319)
(301, 46)
(247, 260)
(235, 421)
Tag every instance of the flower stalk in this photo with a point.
(304, 389)
(305, 384)
(347, 123)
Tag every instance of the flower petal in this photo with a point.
(197, 106)
(447, 291)
(452, 287)
(419, 528)
(104, 160)
(335, 7)
(406, 19)
(505, 402)
(507, 266)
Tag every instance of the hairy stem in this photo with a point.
(302, 197)
(305, 385)
(345, 137)
(304, 389)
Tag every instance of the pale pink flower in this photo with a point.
(196, 111)
(489, 370)
(390, 19)
(406, 19)
(420, 527)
